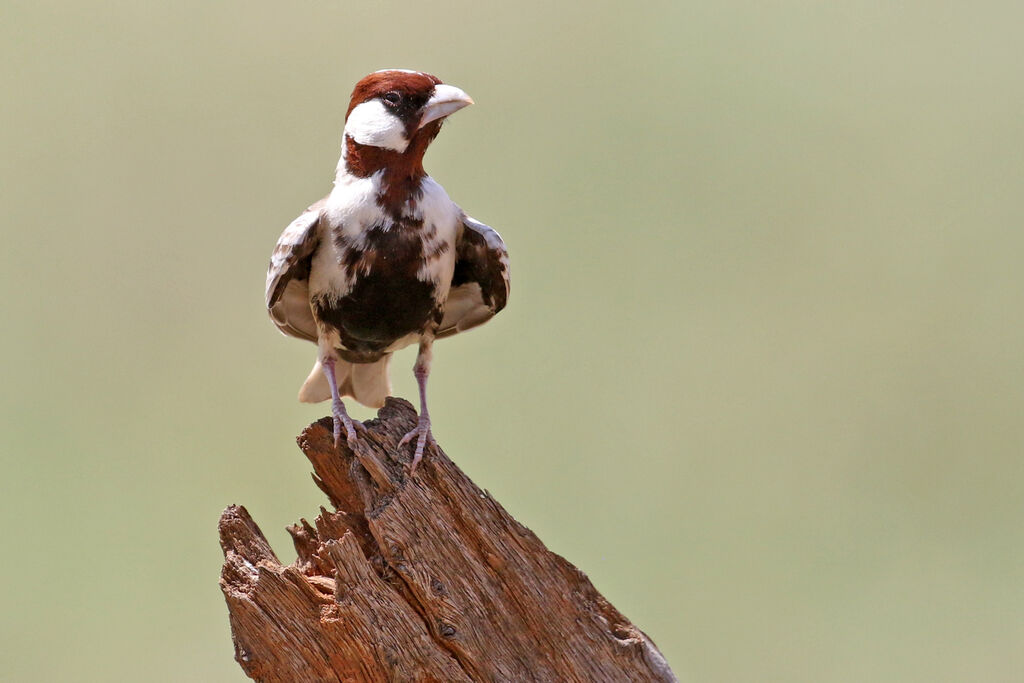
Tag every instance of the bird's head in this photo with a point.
(396, 113)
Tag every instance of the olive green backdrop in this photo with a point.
(761, 375)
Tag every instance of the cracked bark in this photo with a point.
(422, 578)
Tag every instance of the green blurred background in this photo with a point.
(761, 376)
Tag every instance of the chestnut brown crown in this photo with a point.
(405, 92)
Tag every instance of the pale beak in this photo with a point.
(447, 99)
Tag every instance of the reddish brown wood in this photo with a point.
(421, 578)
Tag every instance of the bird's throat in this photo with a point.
(401, 172)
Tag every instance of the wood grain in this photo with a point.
(416, 578)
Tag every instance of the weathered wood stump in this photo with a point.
(421, 578)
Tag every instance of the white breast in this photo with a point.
(438, 210)
(352, 208)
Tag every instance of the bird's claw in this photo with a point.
(341, 418)
(423, 436)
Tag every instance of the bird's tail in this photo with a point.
(368, 383)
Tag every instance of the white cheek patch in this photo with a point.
(370, 123)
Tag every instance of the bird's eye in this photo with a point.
(392, 97)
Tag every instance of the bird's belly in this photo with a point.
(379, 309)
(382, 282)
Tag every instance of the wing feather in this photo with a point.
(480, 284)
(288, 275)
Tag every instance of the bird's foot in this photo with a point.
(341, 418)
(423, 436)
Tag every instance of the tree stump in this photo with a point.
(416, 578)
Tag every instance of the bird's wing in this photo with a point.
(288, 275)
(480, 284)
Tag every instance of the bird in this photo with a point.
(386, 259)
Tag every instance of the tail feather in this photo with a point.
(367, 383)
(371, 382)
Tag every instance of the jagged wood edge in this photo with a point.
(377, 591)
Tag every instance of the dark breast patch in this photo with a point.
(387, 301)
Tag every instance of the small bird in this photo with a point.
(386, 259)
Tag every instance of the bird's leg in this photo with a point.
(337, 407)
(422, 430)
